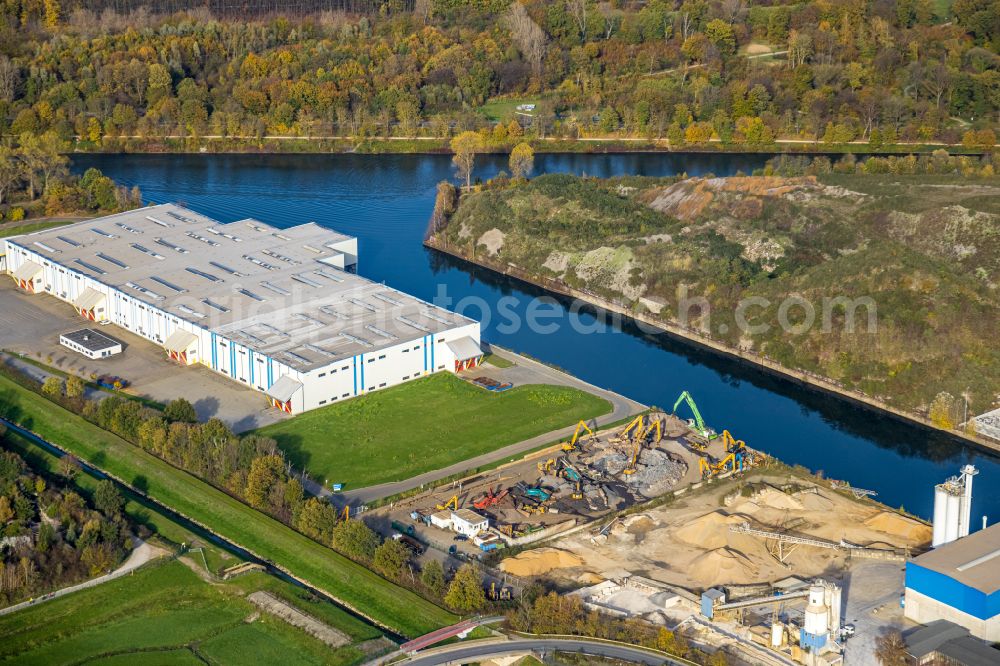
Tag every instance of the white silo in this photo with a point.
(953, 507)
(940, 515)
(968, 472)
(816, 614)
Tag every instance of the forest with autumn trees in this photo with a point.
(741, 72)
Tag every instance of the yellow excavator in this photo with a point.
(732, 444)
(450, 504)
(634, 460)
(635, 424)
(571, 445)
(547, 466)
(656, 426)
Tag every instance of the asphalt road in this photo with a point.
(473, 652)
(525, 371)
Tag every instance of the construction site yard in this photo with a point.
(696, 541)
(555, 489)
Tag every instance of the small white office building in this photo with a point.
(281, 310)
(92, 344)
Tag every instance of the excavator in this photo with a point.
(491, 498)
(547, 466)
(634, 460)
(697, 424)
(578, 490)
(656, 426)
(450, 504)
(568, 471)
(733, 462)
(732, 444)
(571, 445)
(635, 424)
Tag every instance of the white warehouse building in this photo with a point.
(279, 310)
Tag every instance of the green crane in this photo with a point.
(698, 425)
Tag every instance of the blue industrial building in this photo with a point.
(958, 582)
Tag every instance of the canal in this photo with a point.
(386, 200)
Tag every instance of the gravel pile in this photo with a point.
(657, 472)
(612, 464)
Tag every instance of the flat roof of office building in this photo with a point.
(973, 561)
(280, 292)
(91, 340)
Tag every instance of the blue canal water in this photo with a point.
(386, 202)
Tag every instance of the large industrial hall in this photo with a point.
(282, 311)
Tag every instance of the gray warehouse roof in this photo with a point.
(281, 292)
(973, 560)
(950, 640)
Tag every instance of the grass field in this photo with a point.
(12, 230)
(352, 584)
(422, 426)
(166, 614)
(503, 109)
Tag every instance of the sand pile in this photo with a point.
(723, 565)
(539, 561)
(815, 502)
(772, 498)
(888, 522)
(589, 578)
(709, 531)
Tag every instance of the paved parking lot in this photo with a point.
(31, 325)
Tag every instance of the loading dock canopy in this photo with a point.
(27, 271)
(283, 389)
(464, 348)
(179, 341)
(89, 299)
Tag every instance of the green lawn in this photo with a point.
(11, 230)
(352, 584)
(163, 614)
(503, 108)
(423, 425)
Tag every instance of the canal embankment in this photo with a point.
(704, 341)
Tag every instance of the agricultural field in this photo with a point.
(325, 569)
(909, 253)
(422, 426)
(167, 613)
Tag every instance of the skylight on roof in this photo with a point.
(355, 339)
(111, 260)
(159, 222)
(203, 239)
(188, 311)
(275, 288)
(146, 250)
(168, 244)
(144, 291)
(91, 267)
(131, 230)
(250, 294)
(223, 267)
(387, 299)
(410, 322)
(168, 285)
(212, 304)
(306, 281)
(68, 241)
(328, 275)
(362, 304)
(99, 232)
(381, 332)
(203, 274)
